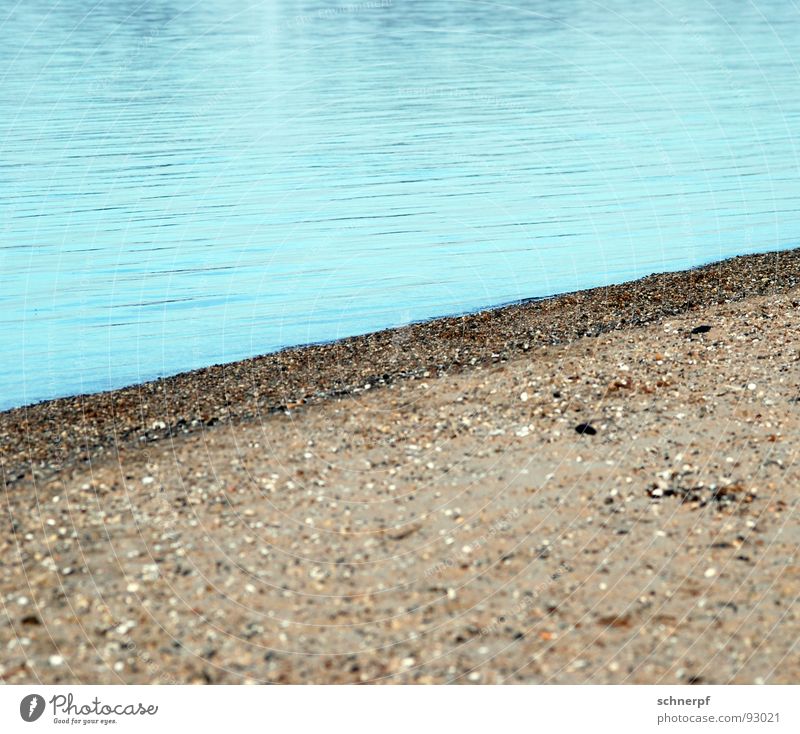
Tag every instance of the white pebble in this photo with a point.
(710, 572)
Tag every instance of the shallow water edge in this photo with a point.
(38, 439)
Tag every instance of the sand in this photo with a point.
(418, 506)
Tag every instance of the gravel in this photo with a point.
(288, 525)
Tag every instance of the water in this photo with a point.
(187, 183)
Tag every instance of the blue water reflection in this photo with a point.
(186, 183)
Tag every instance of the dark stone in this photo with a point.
(703, 329)
(586, 428)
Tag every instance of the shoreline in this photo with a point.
(617, 508)
(38, 440)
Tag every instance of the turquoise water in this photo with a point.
(187, 183)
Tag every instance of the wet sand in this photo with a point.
(418, 506)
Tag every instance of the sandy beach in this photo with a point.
(593, 488)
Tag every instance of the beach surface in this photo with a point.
(595, 488)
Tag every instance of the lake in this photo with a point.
(189, 183)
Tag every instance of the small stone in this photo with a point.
(148, 480)
(702, 329)
(585, 429)
(524, 397)
(710, 572)
(56, 660)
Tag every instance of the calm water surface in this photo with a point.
(186, 183)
